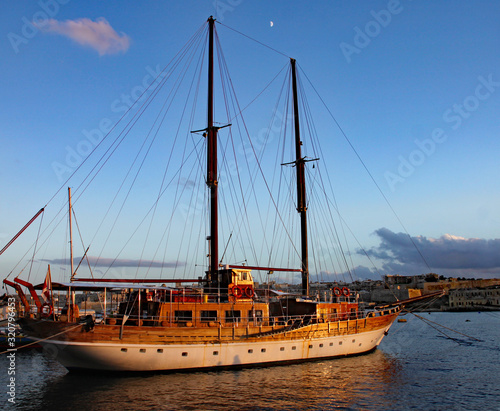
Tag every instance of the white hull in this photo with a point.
(169, 357)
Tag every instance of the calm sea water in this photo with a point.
(415, 367)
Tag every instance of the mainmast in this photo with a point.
(71, 293)
(212, 161)
(301, 186)
(70, 235)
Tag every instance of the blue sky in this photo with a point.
(415, 86)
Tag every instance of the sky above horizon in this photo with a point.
(415, 86)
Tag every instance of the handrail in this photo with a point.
(239, 321)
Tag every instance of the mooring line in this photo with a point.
(43, 339)
(451, 329)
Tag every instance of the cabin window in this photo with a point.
(250, 351)
(233, 316)
(321, 346)
(207, 316)
(181, 316)
(124, 349)
(255, 315)
(310, 346)
(294, 348)
(282, 348)
(184, 354)
(143, 350)
(262, 350)
(159, 350)
(216, 353)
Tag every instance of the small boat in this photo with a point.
(223, 318)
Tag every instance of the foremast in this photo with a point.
(212, 160)
(301, 186)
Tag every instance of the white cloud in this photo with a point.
(447, 237)
(98, 34)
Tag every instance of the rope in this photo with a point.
(36, 243)
(43, 339)
(250, 38)
(450, 329)
(369, 174)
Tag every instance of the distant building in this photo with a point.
(475, 298)
(454, 283)
(462, 294)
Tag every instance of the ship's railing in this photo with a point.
(234, 318)
(190, 320)
(189, 309)
(186, 308)
(199, 295)
(383, 312)
(228, 319)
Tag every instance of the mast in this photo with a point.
(70, 235)
(301, 186)
(212, 162)
(71, 296)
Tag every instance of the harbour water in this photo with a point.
(415, 367)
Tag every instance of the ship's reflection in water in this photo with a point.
(358, 382)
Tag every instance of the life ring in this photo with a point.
(249, 292)
(43, 313)
(346, 292)
(237, 291)
(337, 291)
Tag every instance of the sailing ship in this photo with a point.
(224, 319)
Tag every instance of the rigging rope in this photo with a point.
(34, 248)
(153, 86)
(250, 38)
(258, 167)
(369, 173)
